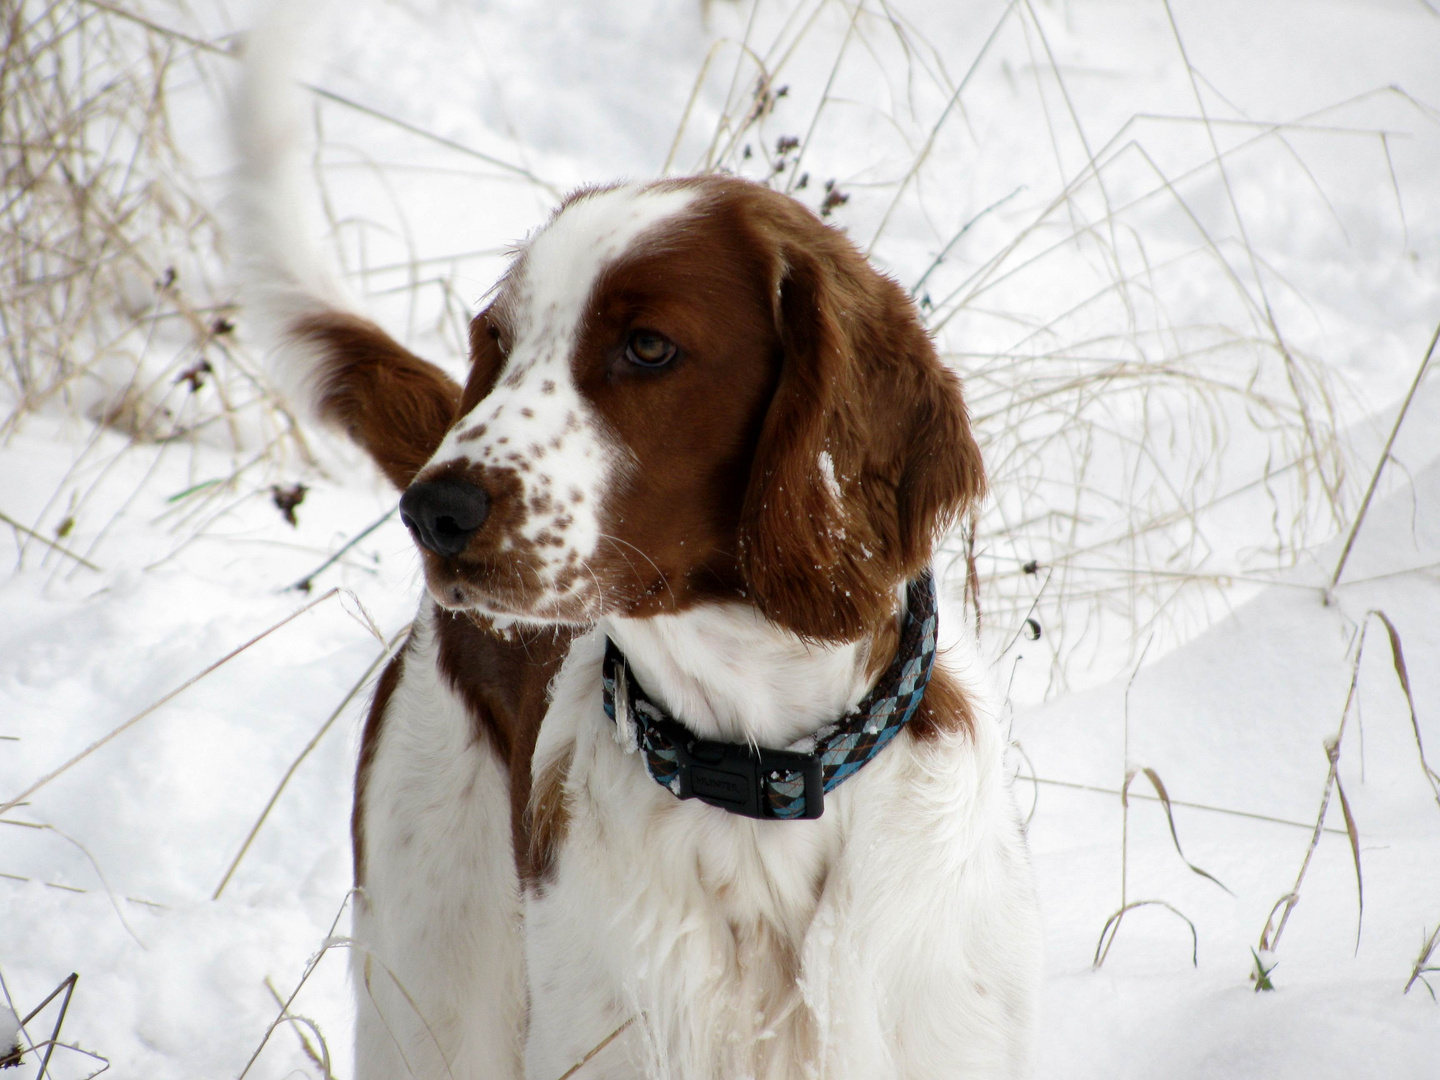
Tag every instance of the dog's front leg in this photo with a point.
(437, 961)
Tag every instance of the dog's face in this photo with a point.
(690, 391)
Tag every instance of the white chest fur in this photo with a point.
(894, 937)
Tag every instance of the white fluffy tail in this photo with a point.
(328, 362)
(283, 281)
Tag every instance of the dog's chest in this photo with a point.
(692, 920)
(713, 917)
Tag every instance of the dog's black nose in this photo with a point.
(443, 514)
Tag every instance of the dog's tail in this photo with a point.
(326, 360)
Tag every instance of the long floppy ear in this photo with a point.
(396, 406)
(866, 453)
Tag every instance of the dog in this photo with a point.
(673, 775)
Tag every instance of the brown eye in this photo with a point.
(487, 324)
(649, 349)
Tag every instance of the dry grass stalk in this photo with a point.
(601, 1045)
(94, 865)
(1374, 482)
(304, 584)
(66, 987)
(77, 889)
(103, 225)
(1164, 797)
(1402, 672)
(1115, 792)
(331, 942)
(51, 544)
(12, 1057)
(1111, 929)
(1270, 934)
(1423, 965)
(1292, 373)
(320, 1058)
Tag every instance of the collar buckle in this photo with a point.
(735, 776)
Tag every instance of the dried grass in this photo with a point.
(108, 258)
(1423, 966)
(106, 239)
(305, 1027)
(1273, 929)
(1111, 929)
(1370, 494)
(13, 1057)
(285, 1015)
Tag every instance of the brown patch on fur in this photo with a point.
(944, 710)
(791, 348)
(369, 744)
(548, 819)
(860, 383)
(395, 405)
(689, 429)
(503, 681)
(884, 643)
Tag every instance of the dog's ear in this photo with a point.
(865, 454)
(396, 406)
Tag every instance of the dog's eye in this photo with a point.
(491, 327)
(649, 349)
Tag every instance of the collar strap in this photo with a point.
(786, 784)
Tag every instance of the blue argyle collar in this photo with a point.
(784, 784)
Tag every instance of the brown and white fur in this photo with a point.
(741, 521)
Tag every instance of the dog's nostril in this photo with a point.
(444, 514)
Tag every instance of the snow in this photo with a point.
(9, 1029)
(1240, 685)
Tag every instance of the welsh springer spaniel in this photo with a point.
(697, 470)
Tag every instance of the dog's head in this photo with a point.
(692, 391)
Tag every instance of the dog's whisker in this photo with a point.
(617, 541)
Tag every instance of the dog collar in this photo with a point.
(786, 784)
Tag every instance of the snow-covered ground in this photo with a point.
(1100, 197)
